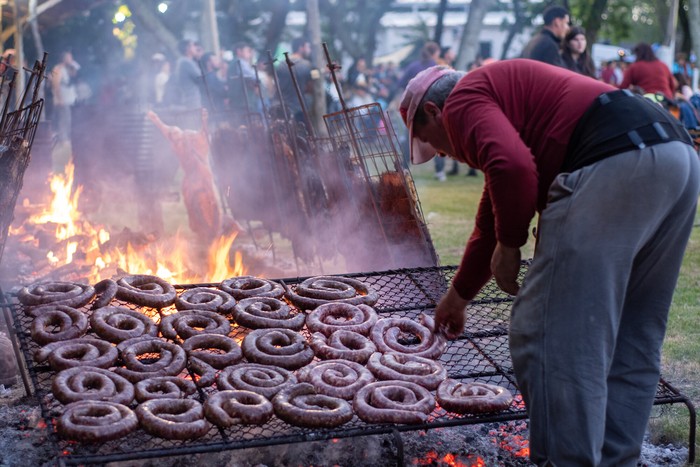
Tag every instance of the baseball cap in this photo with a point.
(415, 90)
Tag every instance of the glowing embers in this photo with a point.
(449, 459)
(471, 446)
(512, 437)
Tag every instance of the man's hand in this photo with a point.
(505, 265)
(449, 314)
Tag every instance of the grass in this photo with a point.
(449, 209)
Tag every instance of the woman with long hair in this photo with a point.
(575, 53)
(648, 73)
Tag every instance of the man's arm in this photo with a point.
(473, 273)
(506, 208)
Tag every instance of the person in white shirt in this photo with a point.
(64, 94)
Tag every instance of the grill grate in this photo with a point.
(481, 353)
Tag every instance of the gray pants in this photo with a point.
(588, 324)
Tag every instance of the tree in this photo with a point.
(591, 17)
(319, 91)
(469, 43)
(694, 24)
(258, 22)
(147, 18)
(278, 19)
(521, 20)
(355, 24)
(439, 25)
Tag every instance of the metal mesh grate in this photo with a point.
(481, 353)
(370, 170)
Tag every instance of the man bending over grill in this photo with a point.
(615, 181)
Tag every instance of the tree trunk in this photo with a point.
(210, 28)
(439, 26)
(278, 19)
(686, 44)
(694, 25)
(594, 19)
(10, 31)
(150, 21)
(469, 44)
(313, 22)
(373, 25)
(515, 28)
(357, 34)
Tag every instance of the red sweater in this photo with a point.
(512, 120)
(652, 77)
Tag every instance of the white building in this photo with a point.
(400, 28)
(397, 26)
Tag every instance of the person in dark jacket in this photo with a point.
(544, 46)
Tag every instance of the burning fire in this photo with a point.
(508, 439)
(433, 458)
(93, 248)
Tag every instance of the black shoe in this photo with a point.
(471, 173)
(453, 171)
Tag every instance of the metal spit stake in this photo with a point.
(333, 67)
(307, 120)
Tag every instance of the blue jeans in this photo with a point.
(439, 164)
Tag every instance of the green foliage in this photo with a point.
(624, 20)
(355, 24)
(616, 25)
(246, 20)
(89, 36)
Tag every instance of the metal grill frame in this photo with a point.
(480, 353)
(366, 148)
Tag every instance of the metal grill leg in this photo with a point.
(691, 435)
(399, 448)
(19, 360)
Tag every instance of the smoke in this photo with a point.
(303, 206)
(340, 211)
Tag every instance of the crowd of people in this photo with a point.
(228, 81)
(197, 79)
(561, 45)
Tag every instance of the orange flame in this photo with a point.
(78, 240)
(433, 458)
(429, 459)
(450, 460)
(516, 444)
